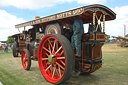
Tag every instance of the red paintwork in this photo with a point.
(100, 36)
(84, 50)
(24, 59)
(35, 53)
(47, 47)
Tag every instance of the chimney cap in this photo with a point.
(37, 17)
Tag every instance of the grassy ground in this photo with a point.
(114, 70)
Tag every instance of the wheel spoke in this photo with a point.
(53, 73)
(49, 49)
(58, 50)
(50, 43)
(57, 71)
(51, 68)
(61, 53)
(62, 62)
(56, 45)
(26, 58)
(44, 59)
(25, 55)
(26, 64)
(24, 61)
(48, 63)
(46, 49)
(47, 67)
(47, 54)
(53, 49)
(60, 66)
(60, 57)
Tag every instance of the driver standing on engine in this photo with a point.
(78, 31)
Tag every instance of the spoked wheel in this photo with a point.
(55, 28)
(26, 59)
(14, 49)
(56, 58)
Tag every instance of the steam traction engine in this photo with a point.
(49, 41)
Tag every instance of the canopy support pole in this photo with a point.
(19, 30)
(24, 33)
(94, 15)
(104, 23)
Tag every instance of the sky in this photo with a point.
(14, 12)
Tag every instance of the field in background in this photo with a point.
(114, 70)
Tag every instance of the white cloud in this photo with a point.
(7, 24)
(92, 1)
(116, 27)
(31, 4)
(8, 21)
(38, 4)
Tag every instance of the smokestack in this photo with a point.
(124, 30)
(37, 17)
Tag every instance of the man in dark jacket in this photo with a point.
(78, 31)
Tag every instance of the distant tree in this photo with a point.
(113, 36)
(10, 40)
(108, 36)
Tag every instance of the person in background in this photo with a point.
(6, 48)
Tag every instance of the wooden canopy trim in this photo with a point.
(71, 13)
(15, 35)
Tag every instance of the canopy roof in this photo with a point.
(85, 13)
(15, 35)
(124, 38)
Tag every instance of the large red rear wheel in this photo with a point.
(26, 59)
(56, 58)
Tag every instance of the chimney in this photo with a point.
(37, 17)
(124, 30)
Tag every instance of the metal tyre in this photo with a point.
(14, 49)
(26, 59)
(55, 58)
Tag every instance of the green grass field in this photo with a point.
(114, 70)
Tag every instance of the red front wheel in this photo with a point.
(56, 58)
(26, 59)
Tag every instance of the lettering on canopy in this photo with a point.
(53, 17)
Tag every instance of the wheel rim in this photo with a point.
(52, 60)
(24, 59)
